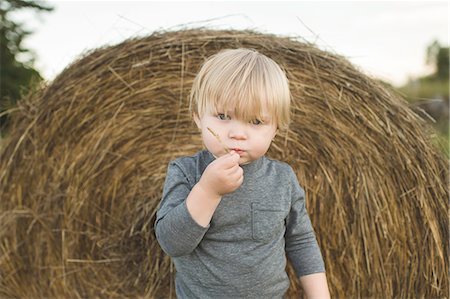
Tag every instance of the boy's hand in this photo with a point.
(223, 175)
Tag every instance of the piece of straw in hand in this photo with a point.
(218, 139)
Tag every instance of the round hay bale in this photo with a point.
(82, 170)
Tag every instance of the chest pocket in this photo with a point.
(267, 221)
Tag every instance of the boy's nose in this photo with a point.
(237, 131)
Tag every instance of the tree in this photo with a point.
(15, 76)
(438, 57)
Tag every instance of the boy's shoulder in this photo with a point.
(279, 166)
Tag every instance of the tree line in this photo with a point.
(16, 75)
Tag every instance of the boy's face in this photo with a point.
(250, 140)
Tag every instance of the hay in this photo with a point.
(82, 171)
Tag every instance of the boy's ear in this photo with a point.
(275, 133)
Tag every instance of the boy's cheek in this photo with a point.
(211, 143)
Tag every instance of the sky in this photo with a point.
(384, 39)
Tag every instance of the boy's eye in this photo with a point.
(256, 122)
(222, 116)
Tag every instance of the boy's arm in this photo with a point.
(222, 176)
(315, 286)
(201, 204)
(184, 215)
(176, 231)
(302, 248)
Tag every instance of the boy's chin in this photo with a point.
(243, 161)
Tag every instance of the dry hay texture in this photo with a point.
(81, 173)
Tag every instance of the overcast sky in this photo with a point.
(385, 39)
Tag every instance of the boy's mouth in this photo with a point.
(238, 150)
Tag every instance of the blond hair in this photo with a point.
(243, 81)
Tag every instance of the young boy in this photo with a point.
(229, 215)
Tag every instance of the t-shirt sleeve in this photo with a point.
(302, 248)
(176, 231)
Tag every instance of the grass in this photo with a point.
(441, 138)
(425, 89)
(429, 88)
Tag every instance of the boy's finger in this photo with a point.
(231, 155)
(233, 168)
(230, 160)
(236, 171)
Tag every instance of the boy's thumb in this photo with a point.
(232, 155)
(235, 155)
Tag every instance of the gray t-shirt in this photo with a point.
(242, 252)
